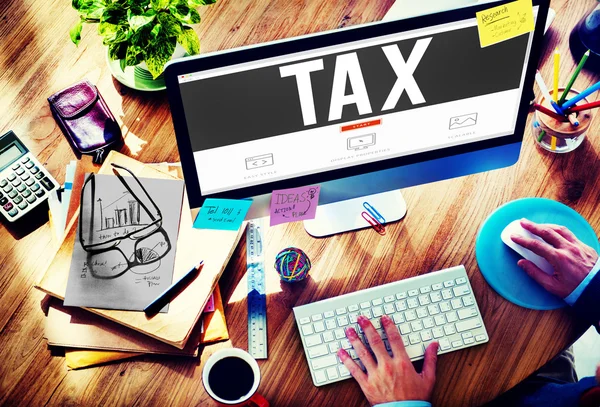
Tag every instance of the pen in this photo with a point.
(170, 293)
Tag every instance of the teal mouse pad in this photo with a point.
(498, 262)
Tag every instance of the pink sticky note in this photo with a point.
(210, 305)
(290, 205)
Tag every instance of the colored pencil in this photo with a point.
(573, 119)
(546, 92)
(582, 95)
(556, 72)
(553, 143)
(549, 112)
(586, 106)
(575, 75)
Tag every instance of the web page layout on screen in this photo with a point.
(355, 103)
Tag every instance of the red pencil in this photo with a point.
(549, 112)
(579, 108)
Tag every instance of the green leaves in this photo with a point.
(75, 33)
(141, 30)
(189, 40)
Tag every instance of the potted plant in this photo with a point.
(137, 31)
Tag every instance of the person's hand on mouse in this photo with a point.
(389, 378)
(571, 259)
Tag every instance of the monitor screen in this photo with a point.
(344, 103)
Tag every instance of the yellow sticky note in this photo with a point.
(504, 22)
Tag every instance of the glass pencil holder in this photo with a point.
(561, 136)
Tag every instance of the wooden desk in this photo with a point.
(439, 231)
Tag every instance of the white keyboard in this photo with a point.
(435, 306)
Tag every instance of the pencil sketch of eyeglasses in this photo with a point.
(121, 230)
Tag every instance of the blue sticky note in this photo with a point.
(222, 214)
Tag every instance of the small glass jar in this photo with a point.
(560, 137)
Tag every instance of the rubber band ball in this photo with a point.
(292, 264)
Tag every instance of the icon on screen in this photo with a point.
(360, 142)
(465, 120)
(259, 161)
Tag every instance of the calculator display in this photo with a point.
(9, 155)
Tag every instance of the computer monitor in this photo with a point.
(362, 111)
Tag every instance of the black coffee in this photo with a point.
(231, 378)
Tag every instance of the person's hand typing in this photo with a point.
(389, 378)
(571, 259)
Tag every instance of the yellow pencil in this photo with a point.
(553, 143)
(556, 65)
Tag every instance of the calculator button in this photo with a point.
(16, 181)
(39, 175)
(47, 183)
(30, 182)
(21, 187)
(32, 198)
(40, 193)
(25, 176)
(16, 166)
(3, 183)
(19, 171)
(22, 205)
(3, 201)
(7, 188)
(13, 193)
(29, 165)
(8, 206)
(11, 177)
(24, 160)
(26, 193)
(35, 187)
(13, 212)
(18, 199)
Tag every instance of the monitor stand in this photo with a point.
(344, 216)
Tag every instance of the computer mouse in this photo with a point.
(515, 228)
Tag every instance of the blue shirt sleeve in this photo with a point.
(572, 298)
(407, 403)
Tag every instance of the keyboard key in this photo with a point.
(461, 290)
(461, 280)
(340, 311)
(343, 371)
(316, 351)
(415, 351)
(330, 324)
(353, 308)
(410, 315)
(345, 344)
(424, 299)
(445, 306)
(413, 293)
(446, 294)
(412, 303)
(377, 301)
(480, 338)
(389, 309)
(456, 344)
(437, 332)
(319, 326)
(313, 340)
(317, 317)
(389, 298)
(329, 314)
(449, 283)
(328, 336)
(365, 305)
(439, 319)
(307, 330)
(377, 312)
(468, 325)
(339, 334)
(444, 344)
(428, 323)
(332, 373)
(425, 290)
(334, 347)
(320, 376)
(467, 335)
(416, 326)
(352, 354)
(422, 313)
(426, 336)
(13, 212)
(435, 296)
(404, 329)
(400, 305)
(414, 338)
(456, 303)
(437, 286)
(451, 316)
(469, 341)
(449, 329)
(353, 317)
(343, 320)
(367, 313)
(401, 296)
(405, 340)
(467, 313)
(468, 301)
(398, 318)
(376, 323)
(303, 321)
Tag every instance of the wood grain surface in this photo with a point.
(37, 59)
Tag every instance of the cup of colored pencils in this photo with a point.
(563, 115)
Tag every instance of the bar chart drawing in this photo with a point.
(123, 214)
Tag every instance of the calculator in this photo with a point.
(24, 183)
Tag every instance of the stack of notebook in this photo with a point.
(100, 334)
